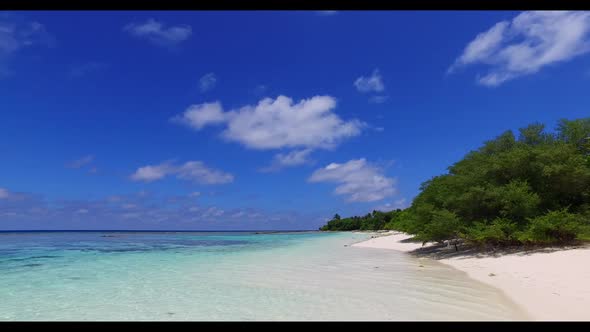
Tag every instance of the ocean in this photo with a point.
(235, 276)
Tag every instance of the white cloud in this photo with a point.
(9, 41)
(212, 212)
(156, 33)
(296, 157)
(152, 173)
(134, 212)
(4, 193)
(398, 204)
(293, 158)
(378, 99)
(207, 82)
(277, 123)
(195, 171)
(484, 45)
(198, 116)
(194, 194)
(531, 41)
(78, 163)
(373, 83)
(358, 180)
(17, 35)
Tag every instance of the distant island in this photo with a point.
(530, 190)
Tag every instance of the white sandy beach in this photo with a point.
(548, 285)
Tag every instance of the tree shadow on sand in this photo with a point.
(442, 251)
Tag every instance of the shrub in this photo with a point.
(555, 227)
(501, 231)
(444, 225)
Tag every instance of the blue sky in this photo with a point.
(263, 120)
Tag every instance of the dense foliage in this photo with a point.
(372, 221)
(534, 189)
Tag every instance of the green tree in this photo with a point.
(534, 190)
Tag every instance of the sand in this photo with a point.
(548, 285)
(391, 240)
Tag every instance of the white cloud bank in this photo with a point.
(528, 43)
(3, 193)
(156, 33)
(357, 179)
(194, 171)
(276, 123)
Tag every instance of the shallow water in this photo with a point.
(230, 276)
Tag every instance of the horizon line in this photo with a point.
(150, 230)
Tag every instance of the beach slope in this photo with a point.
(548, 284)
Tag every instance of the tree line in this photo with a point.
(530, 189)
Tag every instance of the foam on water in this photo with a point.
(230, 276)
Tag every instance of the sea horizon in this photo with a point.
(153, 231)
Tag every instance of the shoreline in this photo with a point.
(549, 284)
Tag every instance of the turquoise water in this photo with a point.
(230, 276)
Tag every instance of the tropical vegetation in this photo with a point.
(533, 188)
